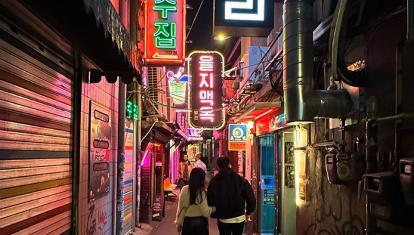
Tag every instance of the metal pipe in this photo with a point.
(339, 71)
(121, 157)
(76, 130)
(302, 103)
(410, 20)
(370, 160)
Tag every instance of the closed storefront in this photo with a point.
(35, 128)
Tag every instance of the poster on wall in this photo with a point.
(237, 137)
(100, 134)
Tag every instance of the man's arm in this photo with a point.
(250, 198)
(210, 193)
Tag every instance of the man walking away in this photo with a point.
(233, 198)
(200, 164)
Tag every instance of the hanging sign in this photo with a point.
(206, 103)
(194, 134)
(177, 85)
(131, 109)
(243, 17)
(237, 137)
(164, 32)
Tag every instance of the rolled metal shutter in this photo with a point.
(35, 136)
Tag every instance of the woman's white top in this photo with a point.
(200, 208)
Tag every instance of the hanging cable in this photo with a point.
(194, 20)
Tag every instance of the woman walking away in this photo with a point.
(193, 210)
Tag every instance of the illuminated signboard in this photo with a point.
(237, 137)
(164, 32)
(243, 17)
(206, 72)
(132, 110)
(177, 85)
(194, 134)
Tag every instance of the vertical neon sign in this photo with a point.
(164, 32)
(206, 72)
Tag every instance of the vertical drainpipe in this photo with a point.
(76, 130)
(121, 156)
(410, 20)
(138, 156)
(302, 103)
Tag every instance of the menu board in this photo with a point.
(100, 136)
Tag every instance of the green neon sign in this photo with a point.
(166, 31)
(165, 7)
(132, 110)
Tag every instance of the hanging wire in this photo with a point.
(194, 20)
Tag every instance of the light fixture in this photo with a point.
(221, 37)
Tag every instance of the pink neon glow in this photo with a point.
(206, 93)
(146, 153)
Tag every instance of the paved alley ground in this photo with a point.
(167, 226)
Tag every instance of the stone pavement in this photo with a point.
(167, 226)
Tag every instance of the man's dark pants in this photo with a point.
(230, 228)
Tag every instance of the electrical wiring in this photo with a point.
(218, 74)
(194, 20)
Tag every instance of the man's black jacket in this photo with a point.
(231, 194)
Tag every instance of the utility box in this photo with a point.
(406, 171)
(384, 193)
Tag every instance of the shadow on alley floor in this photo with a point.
(167, 226)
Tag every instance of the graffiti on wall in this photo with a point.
(97, 220)
(342, 216)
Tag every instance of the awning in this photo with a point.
(158, 131)
(94, 26)
(256, 110)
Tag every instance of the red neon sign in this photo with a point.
(206, 71)
(164, 32)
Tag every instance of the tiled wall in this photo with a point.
(96, 217)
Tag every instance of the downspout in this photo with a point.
(76, 144)
(410, 20)
(301, 102)
(338, 31)
(121, 157)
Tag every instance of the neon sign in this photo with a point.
(132, 110)
(243, 17)
(164, 32)
(206, 72)
(177, 85)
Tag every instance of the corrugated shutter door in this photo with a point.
(35, 141)
(128, 181)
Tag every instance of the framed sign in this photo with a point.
(253, 18)
(100, 142)
(206, 70)
(164, 32)
(237, 137)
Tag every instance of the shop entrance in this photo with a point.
(288, 204)
(267, 184)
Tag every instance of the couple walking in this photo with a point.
(229, 198)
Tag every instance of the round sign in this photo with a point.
(238, 132)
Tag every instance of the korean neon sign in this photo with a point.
(164, 32)
(206, 71)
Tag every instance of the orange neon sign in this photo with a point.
(164, 32)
